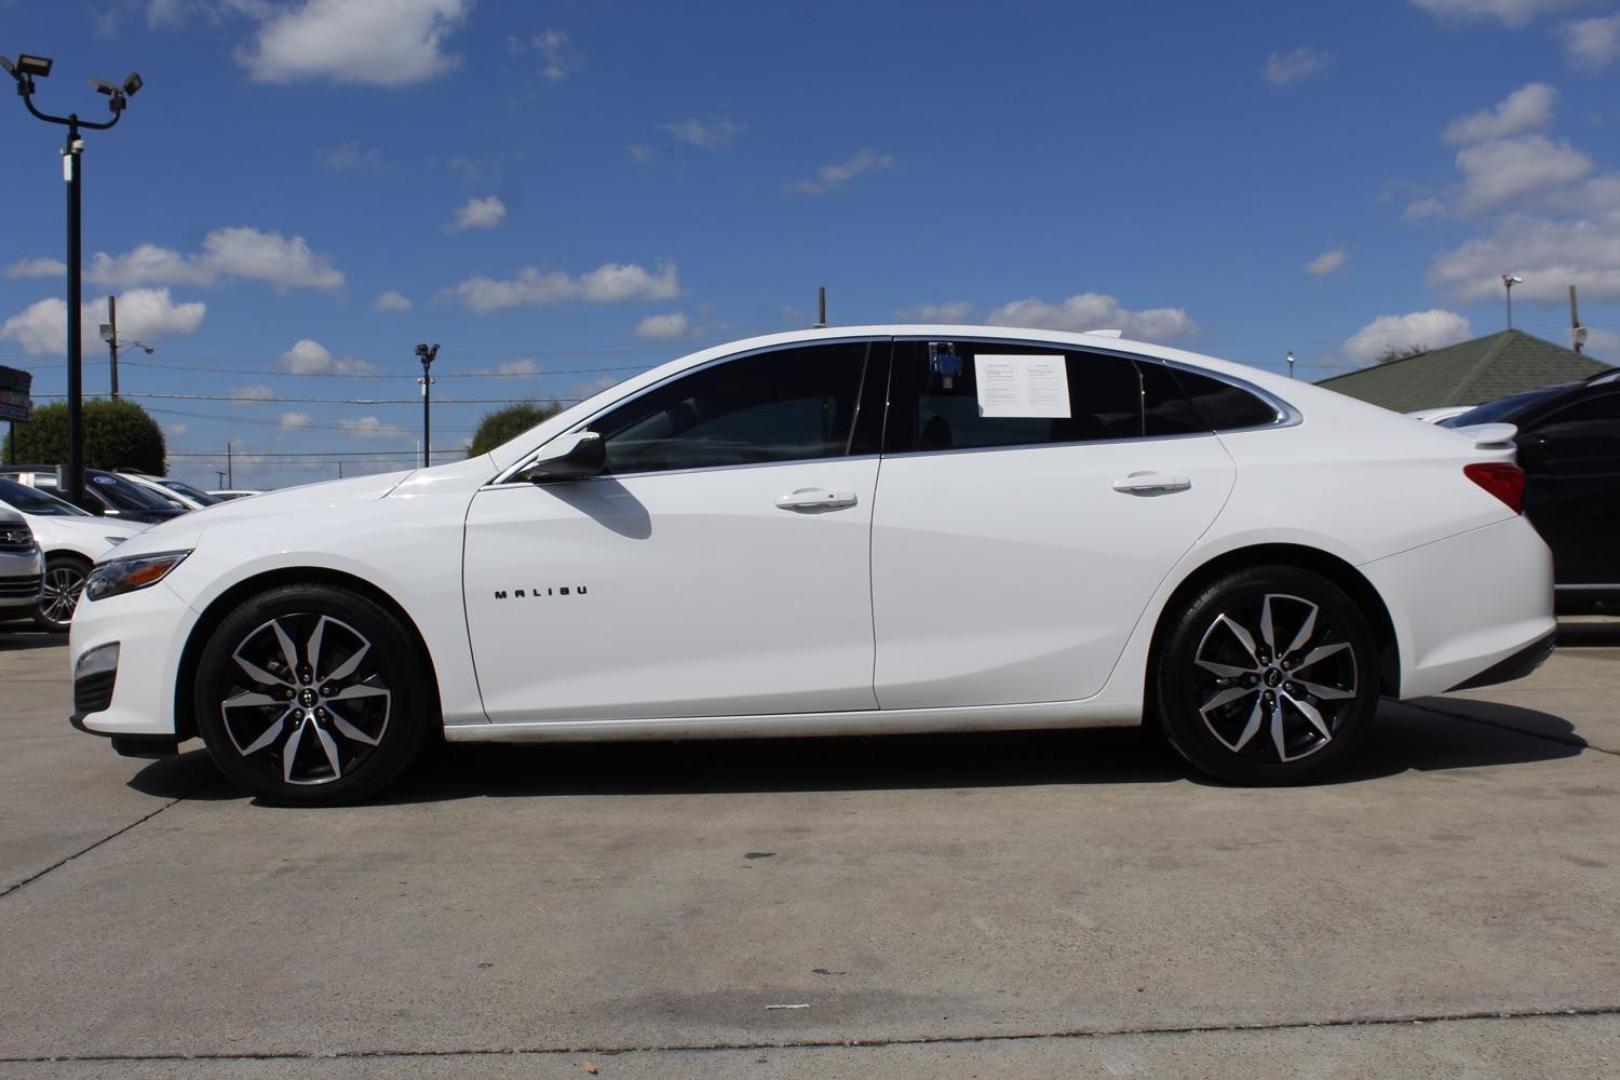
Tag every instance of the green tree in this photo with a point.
(117, 435)
(508, 423)
(1401, 354)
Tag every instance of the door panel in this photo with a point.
(688, 594)
(1571, 460)
(1010, 576)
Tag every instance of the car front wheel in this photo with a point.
(312, 695)
(1267, 676)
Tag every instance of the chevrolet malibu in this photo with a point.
(842, 531)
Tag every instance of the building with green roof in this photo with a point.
(1468, 373)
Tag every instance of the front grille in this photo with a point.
(20, 588)
(93, 693)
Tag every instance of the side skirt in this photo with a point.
(1042, 715)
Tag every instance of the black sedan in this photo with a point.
(1569, 448)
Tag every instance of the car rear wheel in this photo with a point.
(312, 695)
(64, 581)
(1267, 676)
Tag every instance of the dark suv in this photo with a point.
(105, 493)
(1569, 449)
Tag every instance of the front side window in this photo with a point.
(792, 404)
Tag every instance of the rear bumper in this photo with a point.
(1465, 605)
(1516, 666)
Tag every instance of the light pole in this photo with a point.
(427, 356)
(1508, 281)
(1290, 363)
(109, 334)
(25, 71)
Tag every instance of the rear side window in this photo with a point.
(789, 405)
(1221, 405)
(937, 401)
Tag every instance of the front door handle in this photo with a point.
(816, 499)
(1151, 483)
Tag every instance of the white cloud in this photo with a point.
(380, 42)
(296, 421)
(1327, 263)
(256, 392)
(1549, 254)
(523, 366)
(1094, 311)
(485, 213)
(369, 427)
(1508, 12)
(834, 176)
(956, 311)
(392, 300)
(1602, 342)
(350, 157)
(1425, 208)
(308, 357)
(1296, 65)
(1429, 329)
(709, 135)
(641, 153)
(1592, 44)
(238, 252)
(1528, 108)
(145, 314)
(1506, 170)
(36, 268)
(607, 284)
(557, 58)
(673, 325)
(176, 431)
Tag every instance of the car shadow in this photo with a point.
(19, 639)
(1583, 635)
(1466, 735)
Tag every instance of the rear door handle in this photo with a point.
(1151, 483)
(816, 499)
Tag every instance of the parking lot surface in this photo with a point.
(1065, 904)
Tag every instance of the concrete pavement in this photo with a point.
(1055, 903)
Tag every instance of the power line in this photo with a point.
(237, 400)
(277, 423)
(291, 454)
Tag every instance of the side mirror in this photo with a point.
(571, 457)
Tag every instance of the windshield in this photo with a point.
(27, 500)
(1502, 408)
(125, 495)
(188, 491)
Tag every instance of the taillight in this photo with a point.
(1500, 478)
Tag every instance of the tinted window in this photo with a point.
(123, 495)
(936, 404)
(190, 492)
(790, 405)
(1165, 407)
(33, 501)
(1585, 430)
(1221, 405)
(1505, 409)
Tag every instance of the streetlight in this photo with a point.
(1290, 363)
(109, 334)
(427, 356)
(1508, 281)
(25, 71)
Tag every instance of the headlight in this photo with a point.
(135, 572)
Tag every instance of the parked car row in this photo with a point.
(1568, 441)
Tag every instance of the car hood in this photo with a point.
(305, 501)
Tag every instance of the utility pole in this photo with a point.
(112, 342)
(230, 470)
(821, 306)
(221, 474)
(1576, 330)
(25, 70)
(340, 470)
(1508, 281)
(427, 356)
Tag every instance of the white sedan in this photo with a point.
(70, 540)
(851, 530)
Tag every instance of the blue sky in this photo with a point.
(564, 193)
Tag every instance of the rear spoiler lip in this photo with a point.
(1489, 436)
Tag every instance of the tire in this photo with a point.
(313, 695)
(64, 581)
(1239, 711)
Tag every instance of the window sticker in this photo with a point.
(1022, 386)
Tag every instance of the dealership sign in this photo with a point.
(14, 387)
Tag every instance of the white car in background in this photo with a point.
(839, 531)
(71, 540)
(20, 566)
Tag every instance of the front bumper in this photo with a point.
(150, 627)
